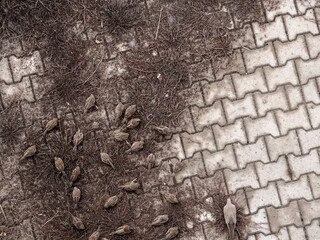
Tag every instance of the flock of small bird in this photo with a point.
(131, 186)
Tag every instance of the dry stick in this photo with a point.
(3, 212)
(94, 70)
(158, 24)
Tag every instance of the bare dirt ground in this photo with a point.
(135, 52)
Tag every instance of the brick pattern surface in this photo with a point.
(253, 122)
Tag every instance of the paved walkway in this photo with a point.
(256, 122)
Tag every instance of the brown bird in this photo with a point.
(76, 194)
(59, 166)
(29, 152)
(230, 216)
(171, 198)
(112, 201)
(75, 174)
(163, 130)
(106, 159)
(95, 235)
(130, 186)
(177, 166)
(133, 123)
(119, 110)
(51, 125)
(123, 230)
(150, 161)
(129, 112)
(77, 139)
(136, 146)
(171, 233)
(160, 220)
(77, 222)
(121, 136)
(90, 102)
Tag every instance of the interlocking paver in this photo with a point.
(195, 92)
(314, 111)
(219, 160)
(239, 108)
(241, 178)
(309, 139)
(191, 167)
(11, 46)
(313, 45)
(308, 69)
(229, 134)
(310, 91)
(249, 83)
(26, 66)
(208, 115)
(282, 234)
(259, 57)
(309, 210)
(232, 64)
(294, 96)
(296, 233)
(283, 145)
(251, 152)
(293, 119)
(304, 164)
(293, 49)
(281, 75)
(294, 190)
(271, 101)
(269, 31)
(313, 230)
(315, 184)
(257, 220)
(263, 197)
(273, 171)
(198, 141)
(5, 74)
(301, 24)
(217, 90)
(303, 5)
(279, 217)
(281, 8)
(15, 92)
(255, 130)
(171, 148)
(206, 186)
(243, 37)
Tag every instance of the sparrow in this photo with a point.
(95, 235)
(90, 102)
(133, 123)
(76, 194)
(29, 152)
(136, 146)
(119, 110)
(177, 166)
(112, 201)
(106, 159)
(123, 230)
(59, 166)
(75, 174)
(171, 233)
(150, 161)
(129, 112)
(163, 130)
(77, 222)
(171, 198)
(230, 216)
(130, 186)
(51, 125)
(77, 139)
(160, 220)
(121, 136)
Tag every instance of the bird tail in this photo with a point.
(232, 227)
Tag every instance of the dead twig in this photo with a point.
(158, 24)
(4, 214)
